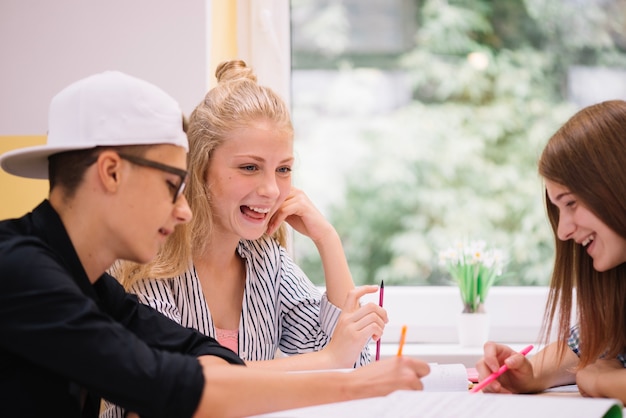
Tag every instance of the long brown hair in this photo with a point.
(587, 155)
(237, 101)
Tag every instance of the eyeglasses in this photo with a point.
(177, 189)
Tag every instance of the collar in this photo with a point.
(49, 227)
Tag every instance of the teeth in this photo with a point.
(259, 210)
(587, 241)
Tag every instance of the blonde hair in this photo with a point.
(236, 102)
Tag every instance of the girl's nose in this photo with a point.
(269, 187)
(565, 228)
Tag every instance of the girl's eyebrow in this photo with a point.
(257, 158)
(561, 196)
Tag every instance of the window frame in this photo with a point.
(430, 312)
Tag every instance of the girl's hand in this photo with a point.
(299, 212)
(515, 380)
(356, 325)
(388, 375)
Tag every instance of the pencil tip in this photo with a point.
(382, 283)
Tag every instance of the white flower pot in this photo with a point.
(473, 329)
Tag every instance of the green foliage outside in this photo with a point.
(458, 162)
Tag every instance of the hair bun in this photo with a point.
(234, 70)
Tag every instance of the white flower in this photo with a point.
(474, 267)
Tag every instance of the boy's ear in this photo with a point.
(109, 166)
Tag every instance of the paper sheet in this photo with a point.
(446, 378)
(410, 404)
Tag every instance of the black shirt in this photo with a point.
(64, 342)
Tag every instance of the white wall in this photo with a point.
(45, 45)
(264, 42)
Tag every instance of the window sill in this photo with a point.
(440, 353)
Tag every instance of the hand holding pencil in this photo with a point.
(356, 325)
(500, 372)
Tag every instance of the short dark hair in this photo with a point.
(67, 169)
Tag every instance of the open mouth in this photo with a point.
(588, 240)
(254, 212)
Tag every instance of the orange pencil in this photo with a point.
(402, 338)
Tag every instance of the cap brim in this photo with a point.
(32, 162)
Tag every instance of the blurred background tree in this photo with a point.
(412, 140)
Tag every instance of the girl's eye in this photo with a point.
(284, 170)
(249, 167)
(570, 204)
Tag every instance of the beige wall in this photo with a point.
(19, 195)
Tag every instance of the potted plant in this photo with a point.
(474, 269)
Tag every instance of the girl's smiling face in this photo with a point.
(249, 177)
(578, 223)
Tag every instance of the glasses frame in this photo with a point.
(183, 174)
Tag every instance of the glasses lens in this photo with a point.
(163, 167)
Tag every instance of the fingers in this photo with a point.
(368, 321)
(519, 369)
(495, 387)
(420, 367)
(353, 299)
(281, 214)
(275, 221)
(491, 363)
(417, 370)
(490, 358)
(498, 354)
(514, 361)
(391, 374)
(302, 215)
(370, 312)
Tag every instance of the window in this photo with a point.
(420, 122)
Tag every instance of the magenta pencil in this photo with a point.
(381, 296)
(493, 376)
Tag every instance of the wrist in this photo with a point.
(325, 236)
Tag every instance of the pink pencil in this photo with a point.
(493, 376)
(381, 296)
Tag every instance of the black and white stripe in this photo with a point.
(282, 309)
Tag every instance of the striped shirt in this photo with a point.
(282, 309)
(574, 344)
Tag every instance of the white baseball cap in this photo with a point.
(106, 109)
